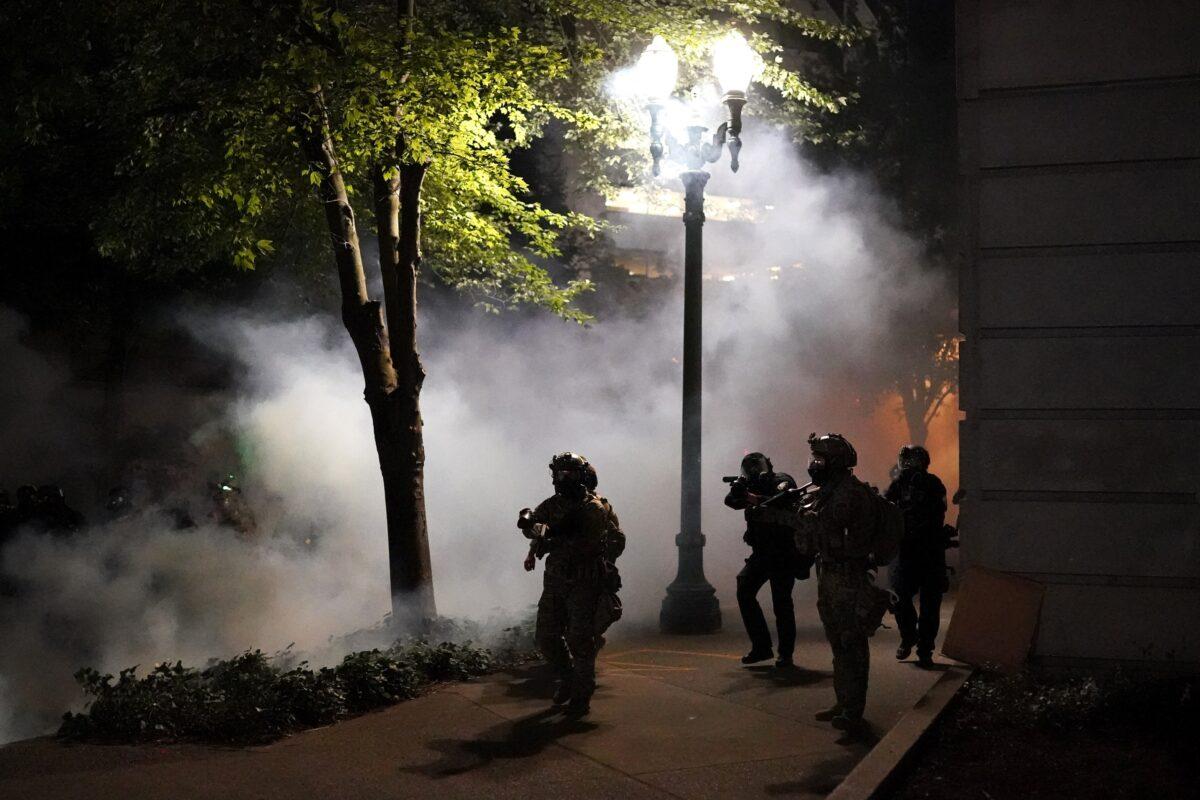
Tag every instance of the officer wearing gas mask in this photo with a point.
(920, 566)
(836, 526)
(773, 558)
(574, 530)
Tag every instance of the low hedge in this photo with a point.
(254, 698)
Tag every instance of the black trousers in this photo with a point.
(927, 582)
(760, 569)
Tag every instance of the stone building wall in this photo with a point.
(1080, 156)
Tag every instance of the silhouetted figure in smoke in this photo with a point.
(43, 509)
(56, 515)
(920, 566)
(574, 530)
(773, 558)
(230, 507)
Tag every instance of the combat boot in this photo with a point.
(852, 726)
(925, 659)
(578, 708)
(828, 714)
(562, 695)
(756, 655)
(903, 651)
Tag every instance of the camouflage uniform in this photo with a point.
(609, 609)
(574, 544)
(837, 525)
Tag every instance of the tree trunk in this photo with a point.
(914, 415)
(402, 454)
(395, 415)
(915, 402)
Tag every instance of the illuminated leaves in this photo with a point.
(215, 94)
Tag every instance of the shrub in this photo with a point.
(251, 698)
(447, 661)
(1032, 700)
(375, 678)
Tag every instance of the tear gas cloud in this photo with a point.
(803, 351)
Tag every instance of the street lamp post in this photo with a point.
(691, 602)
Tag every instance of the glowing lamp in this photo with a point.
(734, 63)
(659, 69)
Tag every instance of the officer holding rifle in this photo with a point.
(768, 500)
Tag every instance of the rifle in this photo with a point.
(740, 481)
(776, 514)
(799, 490)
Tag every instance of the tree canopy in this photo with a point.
(200, 107)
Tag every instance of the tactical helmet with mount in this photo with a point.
(913, 456)
(835, 449)
(568, 462)
(756, 464)
(568, 471)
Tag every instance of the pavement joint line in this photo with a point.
(624, 653)
(811, 724)
(563, 746)
(806, 723)
(634, 775)
(650, 676)
(626, 666)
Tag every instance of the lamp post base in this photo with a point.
(690, 608)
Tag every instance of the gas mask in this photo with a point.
(755, 465)
(818, 470)
(568, 483)
(912, 458)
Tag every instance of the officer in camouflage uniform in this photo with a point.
(572, 530)
(836, 528)
(920, 566)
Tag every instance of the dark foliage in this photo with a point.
(1029, 701)
(375, 678)
(1032, 736)
(252, 698)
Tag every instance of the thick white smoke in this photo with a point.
(783, 356)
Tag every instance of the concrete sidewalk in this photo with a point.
(675, 717)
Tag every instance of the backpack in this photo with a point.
(889, 527)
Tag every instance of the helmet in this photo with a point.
(568, 462)
(590, 479)
(569, 473)
(835, 449)
(913, 456)
(755, 464)
(832, 455)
